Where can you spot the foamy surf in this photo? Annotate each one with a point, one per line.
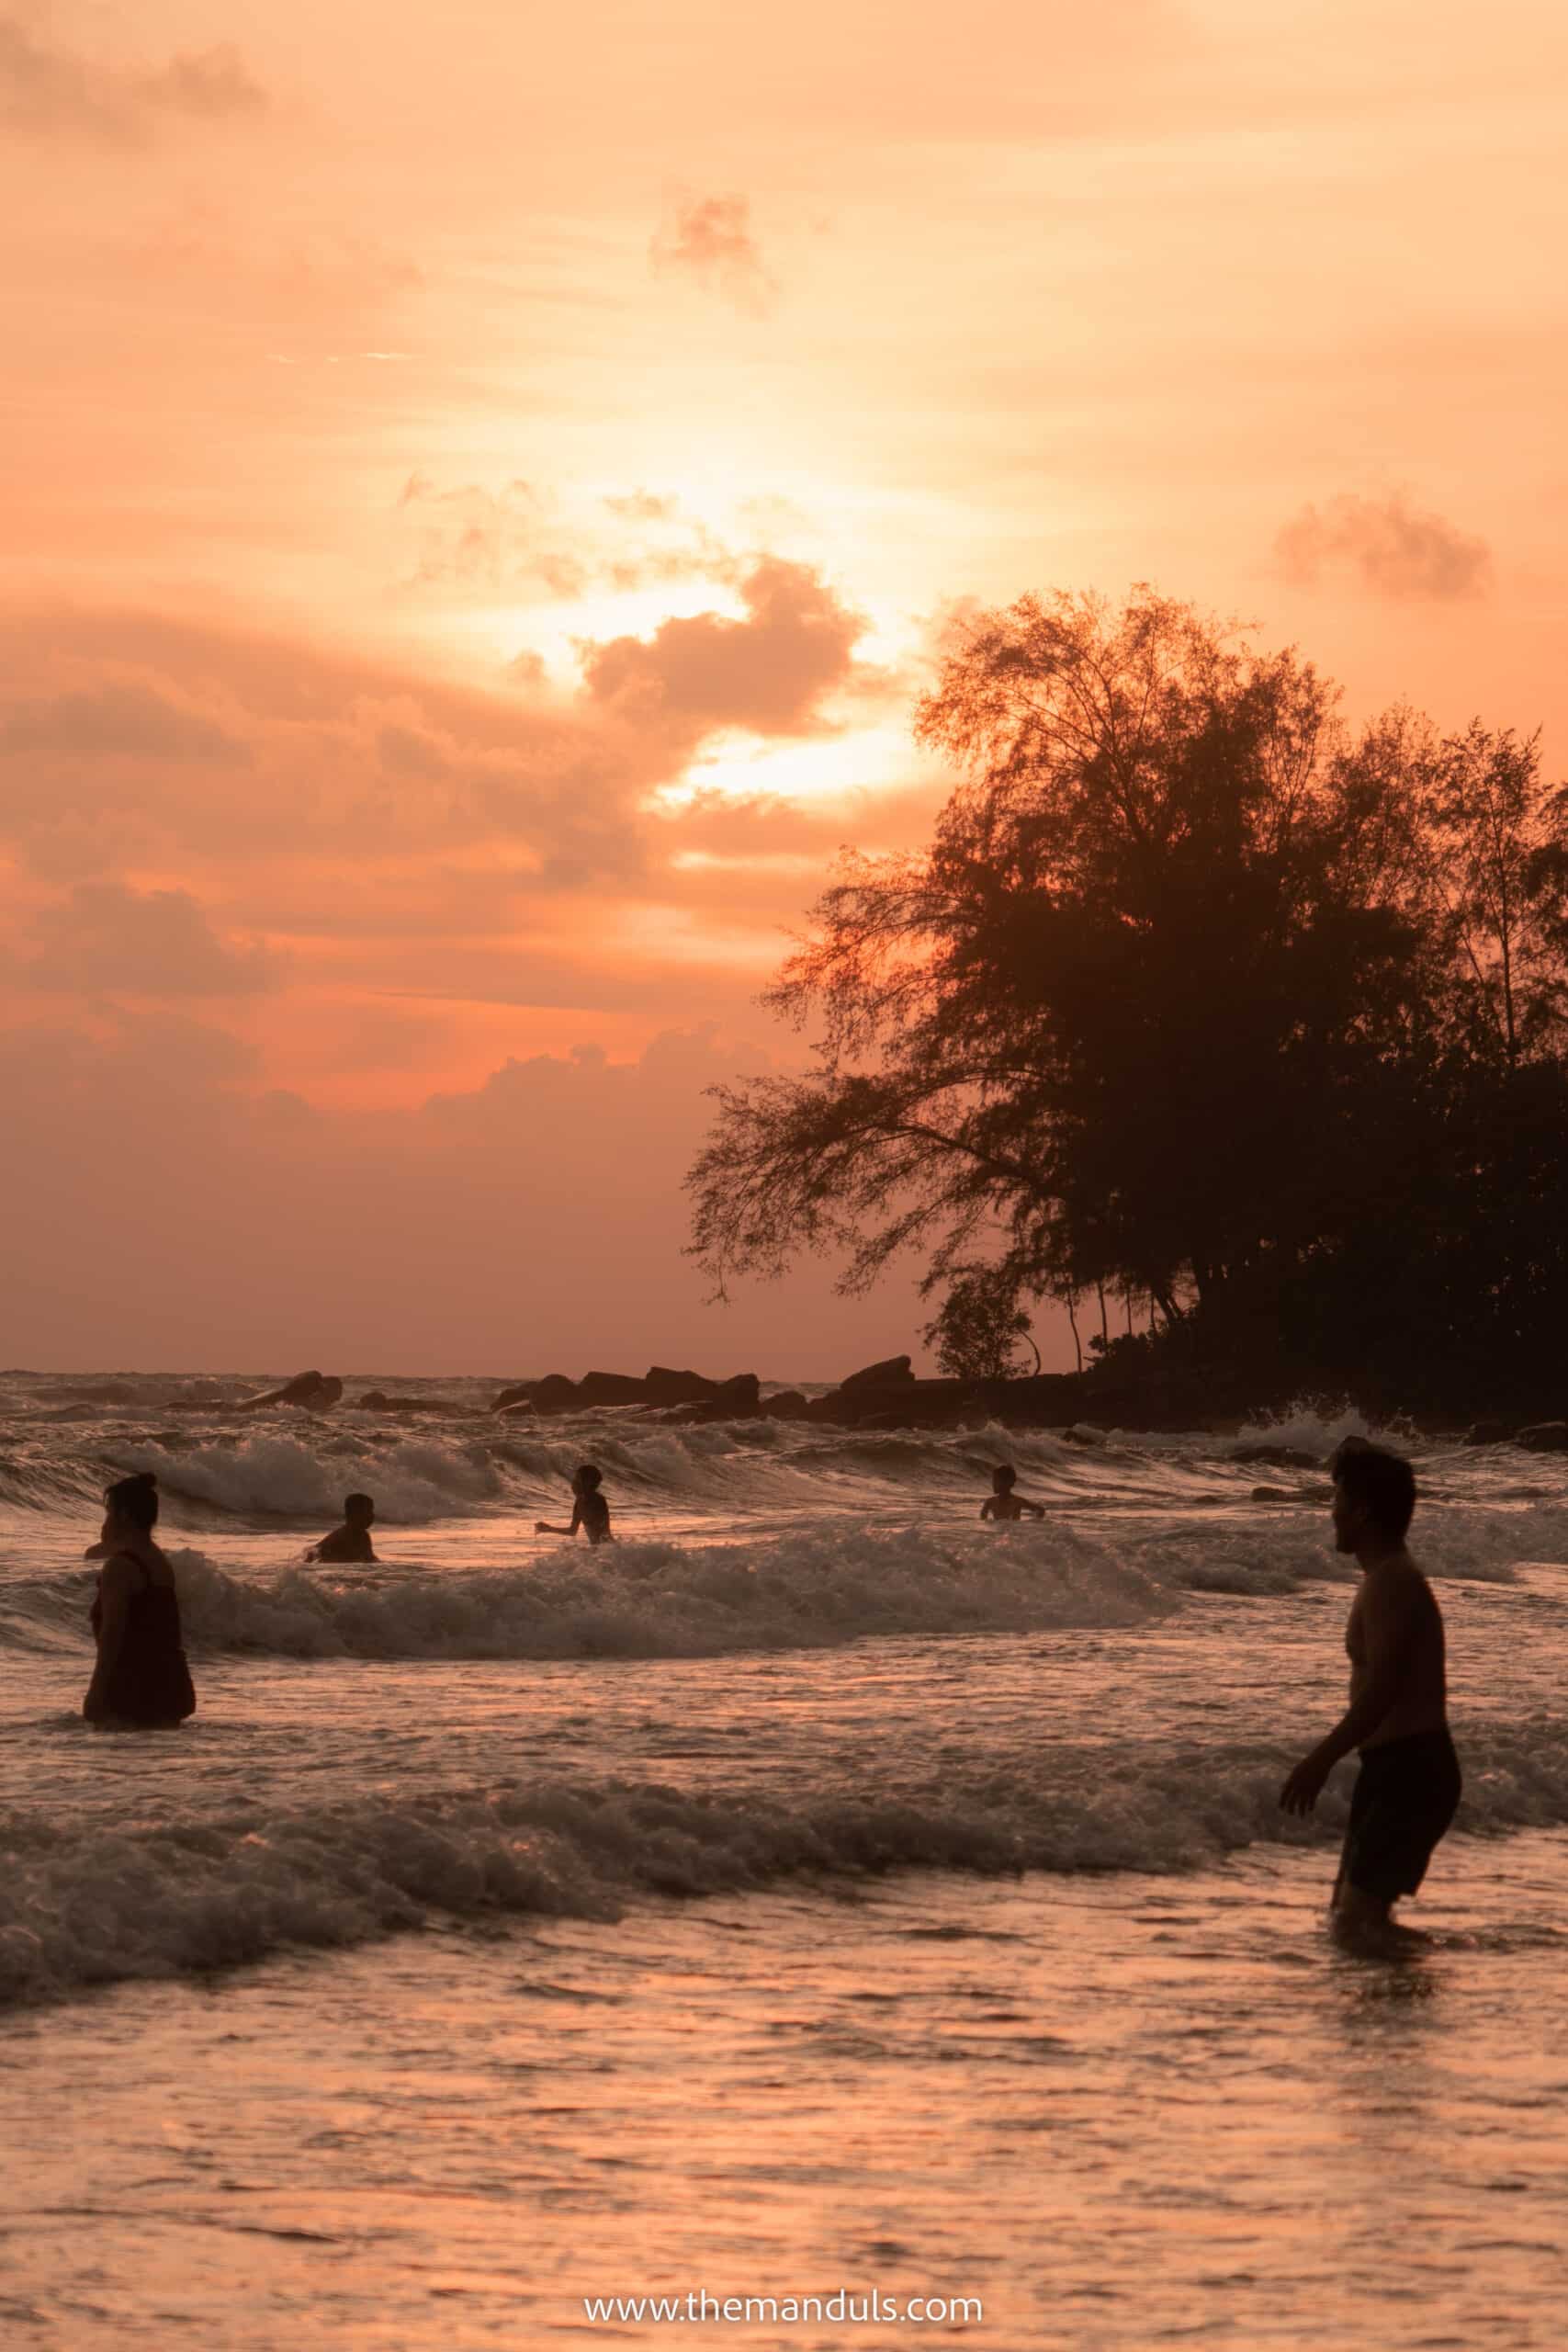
(81, 1908)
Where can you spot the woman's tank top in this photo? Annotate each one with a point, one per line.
(150, 1682)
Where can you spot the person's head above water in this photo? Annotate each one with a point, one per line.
(588, 1478)
(130, 1507)
(358, 1511)
(1004, 1477)
(1374, 1496)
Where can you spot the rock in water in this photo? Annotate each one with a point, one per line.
(881, 1375)
(667, 1388)
(611, 1388)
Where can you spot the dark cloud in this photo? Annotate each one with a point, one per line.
(710, 239)
(48, 92)
(108, 938)
(768, 673)
(1392, 547)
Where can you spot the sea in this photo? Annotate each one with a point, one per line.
(817, 1921)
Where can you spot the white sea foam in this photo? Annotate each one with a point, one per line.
(81, 1908)
(415, 1480)
(812, 1586)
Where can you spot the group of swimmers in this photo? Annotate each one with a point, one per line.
(1406, 1792)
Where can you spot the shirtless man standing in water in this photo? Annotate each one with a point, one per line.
(1408, 1788)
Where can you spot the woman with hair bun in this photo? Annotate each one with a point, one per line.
(141, 1677)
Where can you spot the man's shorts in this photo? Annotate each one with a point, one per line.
(1406, 1794)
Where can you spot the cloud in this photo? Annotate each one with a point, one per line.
(768, 673)
(164, 1211)
(118, 720)
(521, 540)
(106, 937)
(710, 239)
(350, 761)
(49, 92)
(1394, 549)
(390, 832)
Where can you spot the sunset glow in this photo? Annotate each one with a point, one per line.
(484, 491)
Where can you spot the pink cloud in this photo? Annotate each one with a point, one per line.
(47, 91)
(108, 938)
(710, 239)
(1393, 549)
(770, 672)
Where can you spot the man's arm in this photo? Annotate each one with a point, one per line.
(986, 1509)
(1388, 1611)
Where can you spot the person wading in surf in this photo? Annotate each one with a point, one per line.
(590, 1510)
(1408, 1788)
(141, 1677)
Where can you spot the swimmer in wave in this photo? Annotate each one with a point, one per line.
(1408, 1788)
(1003, 1502)
(350, 1544)
(590, 1510)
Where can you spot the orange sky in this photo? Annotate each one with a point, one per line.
(483, 488)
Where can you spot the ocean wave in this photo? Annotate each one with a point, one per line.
(416, 1480)
(811, 1583)
(809, 1588)
(81, 1908)
(296, 1469)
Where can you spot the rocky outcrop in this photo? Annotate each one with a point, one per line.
(1544, 1437)
(1491, 1431)
(899, 1404)
(664, 1386)
(787, 1405)
(610, 1388)
(313, 1392)
(894, 1370)
(685, 1394)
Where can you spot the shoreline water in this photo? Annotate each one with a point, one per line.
(814, 1888)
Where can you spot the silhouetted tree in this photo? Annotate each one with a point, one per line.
(1186, 999)
(978, 1333)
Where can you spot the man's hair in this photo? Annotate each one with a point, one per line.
(1382, 1483)
(351, 1503)
(135, 1500)
(1005, 1472)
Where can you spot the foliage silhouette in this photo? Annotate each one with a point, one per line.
(1200, 998)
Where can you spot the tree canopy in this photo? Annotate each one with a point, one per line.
(1198, 996)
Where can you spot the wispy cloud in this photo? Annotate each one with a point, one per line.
(710, 239)
(1392, 547)
(51, 91)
